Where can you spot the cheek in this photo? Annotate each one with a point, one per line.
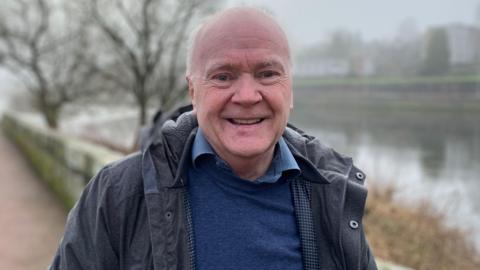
(289, 98)
(282, 99)
(209, 104)
(215, 100)
(199, 98)
(284, 92)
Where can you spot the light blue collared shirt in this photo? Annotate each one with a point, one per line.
(282, 161)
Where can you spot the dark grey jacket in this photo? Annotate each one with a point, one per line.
(135, 213)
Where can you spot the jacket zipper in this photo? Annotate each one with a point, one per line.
(189, 228)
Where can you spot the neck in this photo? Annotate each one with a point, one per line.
(251, 168)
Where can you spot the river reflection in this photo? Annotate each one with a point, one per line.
(427, 152)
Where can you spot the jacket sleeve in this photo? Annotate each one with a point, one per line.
(87, 242)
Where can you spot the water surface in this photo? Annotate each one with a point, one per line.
(429, 149)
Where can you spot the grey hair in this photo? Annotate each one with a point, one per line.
(194, 33)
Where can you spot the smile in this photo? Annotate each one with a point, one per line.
(251, 121)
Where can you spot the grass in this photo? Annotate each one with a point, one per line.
(417, 80)
(415, 236)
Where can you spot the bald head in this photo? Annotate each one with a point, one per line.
(238, 27)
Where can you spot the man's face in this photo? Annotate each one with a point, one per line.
(241, 89)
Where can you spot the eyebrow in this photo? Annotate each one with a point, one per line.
(270, 63)
(232, 66)
(220, 65)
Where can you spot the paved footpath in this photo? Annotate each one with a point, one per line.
(31, 218)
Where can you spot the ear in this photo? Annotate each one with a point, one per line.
(191, 91)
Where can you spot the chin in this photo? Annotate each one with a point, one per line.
(242, 150)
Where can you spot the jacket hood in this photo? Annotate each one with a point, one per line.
(318, 162)
(316, 159)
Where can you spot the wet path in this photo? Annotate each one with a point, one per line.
(31, 218)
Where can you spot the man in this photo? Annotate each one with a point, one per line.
(238, 190)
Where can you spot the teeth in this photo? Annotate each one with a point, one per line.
(246, 121)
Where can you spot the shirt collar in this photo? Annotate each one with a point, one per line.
(283, 161)
(200, 147)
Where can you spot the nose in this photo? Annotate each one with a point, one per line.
(247, 91)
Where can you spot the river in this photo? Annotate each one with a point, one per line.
(429, 149)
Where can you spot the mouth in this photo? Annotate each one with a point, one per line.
(245, 122)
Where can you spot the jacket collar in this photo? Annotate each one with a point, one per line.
(319, 163)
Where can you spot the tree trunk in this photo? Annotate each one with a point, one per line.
(142, 103)
(51, 113)
(142, 114)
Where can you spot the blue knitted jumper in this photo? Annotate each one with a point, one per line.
(242, 224)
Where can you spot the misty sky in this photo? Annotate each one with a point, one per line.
(309, 21)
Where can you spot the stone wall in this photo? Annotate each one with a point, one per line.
(65, 164)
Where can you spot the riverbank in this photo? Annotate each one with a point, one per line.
(419, 80)
(419, 93)
(416, 236)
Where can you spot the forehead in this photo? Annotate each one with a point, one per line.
(244, 60)
(235, 50)
(252, 35)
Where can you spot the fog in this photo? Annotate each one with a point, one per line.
(309, 21)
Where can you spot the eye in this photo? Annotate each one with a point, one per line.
(268, 76)
(223, 77)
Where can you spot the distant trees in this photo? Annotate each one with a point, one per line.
(343, 44)
(356, 57)
(139, 46)
(347, 46)
(437, 57)
(396, 57)
(439, 51)
(401, 55)
(47, 58)
(341, 52)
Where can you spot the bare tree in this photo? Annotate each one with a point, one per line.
(141, 46)
(46, 50)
